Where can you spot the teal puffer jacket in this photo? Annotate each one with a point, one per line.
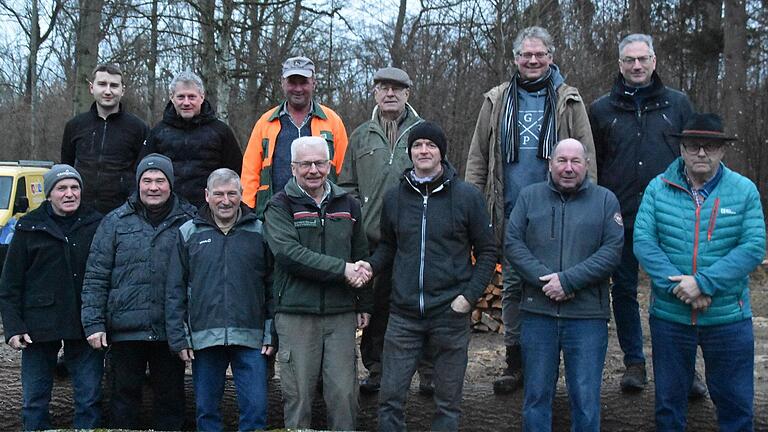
(719, 243)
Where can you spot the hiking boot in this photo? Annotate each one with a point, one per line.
(634, 378)
(512, 377)
(426, 385)
(372, 384)
(698, 388)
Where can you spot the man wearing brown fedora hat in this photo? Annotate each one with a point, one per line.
(699, 232)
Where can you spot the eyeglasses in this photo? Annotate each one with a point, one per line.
(694, 148)
(319, 164)
(529, 55)
(644, 60)
(385, 88)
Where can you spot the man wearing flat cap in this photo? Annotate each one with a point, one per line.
(40, 301)
(699, 233)
(267, 160)
(432, 225)
(374, 163)
(124, 297)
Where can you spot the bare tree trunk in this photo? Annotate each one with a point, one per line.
(87, 37)
(253, 88)
(31, 88)
(640, 16)
(152, 64)
(225, 62)
(209, 72)
(734, 84)
(396, 50)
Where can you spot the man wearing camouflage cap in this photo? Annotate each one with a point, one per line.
(374, 163)
(267, 160)
(40, 301)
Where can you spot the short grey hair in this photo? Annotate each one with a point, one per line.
(186, 77)
(636, 37)
(534, 32)
(306, 142)
(223, 175)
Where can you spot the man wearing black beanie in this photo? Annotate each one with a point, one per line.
(431, 225)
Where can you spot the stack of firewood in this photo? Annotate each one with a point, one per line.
(487, 314)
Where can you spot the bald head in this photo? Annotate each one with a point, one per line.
(568, 165)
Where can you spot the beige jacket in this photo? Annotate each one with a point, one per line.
(484, 167)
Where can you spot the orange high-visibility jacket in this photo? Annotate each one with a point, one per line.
(257, 162)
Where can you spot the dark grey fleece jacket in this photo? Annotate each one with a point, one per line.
(578, 235)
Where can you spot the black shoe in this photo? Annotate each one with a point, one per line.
(698, 389)
(372, 384)
(508, 382)
(426, 385)
(634, 378)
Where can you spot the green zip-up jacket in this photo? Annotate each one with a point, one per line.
(372, 167)
(311, 245)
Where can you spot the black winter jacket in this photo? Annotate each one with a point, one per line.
(124, 287)
(579, 236)
(104, 152)
(197, 147)
(219, 288)
(43, 276)
(633, 144)
(430, 232)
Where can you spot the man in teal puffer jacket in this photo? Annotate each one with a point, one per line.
(699, 233)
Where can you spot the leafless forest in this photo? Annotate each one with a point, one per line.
(454, 50)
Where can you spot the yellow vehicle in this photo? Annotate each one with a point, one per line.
(21, 191)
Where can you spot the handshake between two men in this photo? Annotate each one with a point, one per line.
(360, 273)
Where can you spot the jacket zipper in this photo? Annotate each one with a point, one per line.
(562, 234)
(712, 219)
(226, 270)
(101, 152)
(422, 252)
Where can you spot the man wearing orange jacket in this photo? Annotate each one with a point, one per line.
(267, 160)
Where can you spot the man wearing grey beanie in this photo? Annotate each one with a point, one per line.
(40, 300)
(124, 296)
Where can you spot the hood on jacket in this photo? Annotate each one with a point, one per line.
(171, 117)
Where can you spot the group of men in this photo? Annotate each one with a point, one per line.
(324, 235)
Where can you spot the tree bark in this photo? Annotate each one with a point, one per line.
(88, 35)
(735, 82)
(225, 62)
(396, 50)
(209, 72)
(152, 64)
(640, 16)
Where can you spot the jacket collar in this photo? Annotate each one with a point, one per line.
(171, 117)
(95, 111)
(436, 185)
(656, 89)
(317, 111)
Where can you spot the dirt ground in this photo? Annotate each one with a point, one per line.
(483, 410)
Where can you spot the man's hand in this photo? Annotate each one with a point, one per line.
(687, 290)
(553, 289)
(701, 303)
(461, 305)
(20, 341)
(357, 274)
(98, 340)
(363, 319)
(267, 350)
(187, 354)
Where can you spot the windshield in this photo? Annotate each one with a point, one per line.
(6, 184)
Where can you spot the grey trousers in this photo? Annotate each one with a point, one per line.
(512, 292)
(311, 345)
(404, 343)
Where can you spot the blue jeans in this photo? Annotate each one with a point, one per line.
(583, 343)
(85, 365)
(729, 364)
(249, 370)
(404, 343)
(626, 310)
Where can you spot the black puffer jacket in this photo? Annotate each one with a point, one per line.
(104, 152)
(430, 231)
(124, 287)
(43, 276)
(633, 143)
(197, 147)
